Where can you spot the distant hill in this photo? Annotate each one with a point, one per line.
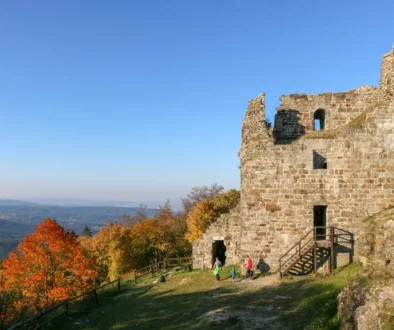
(16, 202)
(17, 218)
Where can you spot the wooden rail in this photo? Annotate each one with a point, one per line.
(318, 236)
(37, 319)
(163, 264)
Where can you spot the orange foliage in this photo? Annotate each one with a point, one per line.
(110, 248)
(48, 266)
(118, 249)
(159, 238)
(200, 218)
(208, 211)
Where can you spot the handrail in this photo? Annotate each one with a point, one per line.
(345, 231)
(330, 236)
(300, 249)
(296, 244)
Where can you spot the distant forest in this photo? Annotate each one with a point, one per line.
(20, 219)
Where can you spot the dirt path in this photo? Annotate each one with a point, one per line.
(268, 280)
(249, 316)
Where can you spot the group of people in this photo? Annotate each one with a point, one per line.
(217, 267)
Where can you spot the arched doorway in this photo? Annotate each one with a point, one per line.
(319, 120)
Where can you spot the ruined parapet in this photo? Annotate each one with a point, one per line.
(332, 110)
(387, 73)
(256, 135)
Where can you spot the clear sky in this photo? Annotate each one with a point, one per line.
(142, 100)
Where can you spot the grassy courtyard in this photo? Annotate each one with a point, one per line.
(195, 300)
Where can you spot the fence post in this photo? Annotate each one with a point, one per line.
(66, 307)
(280, 268)
(332, 252)
(119, 284)
(38, 319)
(95, 296)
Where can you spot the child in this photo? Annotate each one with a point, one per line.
(217, 266)
(217, 273)
(248, 265)
(233, 273)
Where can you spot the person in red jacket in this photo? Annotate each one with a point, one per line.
(248, 264)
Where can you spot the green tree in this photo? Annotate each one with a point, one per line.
(86, 231)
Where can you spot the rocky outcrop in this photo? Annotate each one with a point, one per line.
(367, 303)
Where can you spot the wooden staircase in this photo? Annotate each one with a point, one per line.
(313, 249)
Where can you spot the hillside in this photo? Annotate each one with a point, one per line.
(194, 300)
(18, 218)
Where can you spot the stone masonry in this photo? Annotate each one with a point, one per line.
(283, 177)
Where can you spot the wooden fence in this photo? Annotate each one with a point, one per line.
(38, 321)
(165, 264)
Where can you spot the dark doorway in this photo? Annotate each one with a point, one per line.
(319, 120)
(320, 220)
(219, 251)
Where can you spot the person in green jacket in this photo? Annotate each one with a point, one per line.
(217, 266)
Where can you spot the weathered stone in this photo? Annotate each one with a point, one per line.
(282, 180)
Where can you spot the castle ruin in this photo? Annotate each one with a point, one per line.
(328, 160)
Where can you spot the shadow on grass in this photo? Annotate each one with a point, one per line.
(294, 304)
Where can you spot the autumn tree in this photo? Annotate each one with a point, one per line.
(110, 248)
(7, 304)
(48, 266)
(120, 247)
(208, 211)
(158, 238)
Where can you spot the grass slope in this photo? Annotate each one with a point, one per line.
(194, 300)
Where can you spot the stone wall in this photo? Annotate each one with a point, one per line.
(387, 73)
(358, 181)
(227, 228)
(287, 127)
(339, 108)
(256, 136)
(282, 182)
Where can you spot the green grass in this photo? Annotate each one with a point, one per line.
(180, 303)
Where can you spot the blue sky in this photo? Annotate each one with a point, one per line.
(142, 100)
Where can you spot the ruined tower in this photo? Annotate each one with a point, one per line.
(328, 161)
